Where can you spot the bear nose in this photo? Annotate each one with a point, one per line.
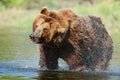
(31, 36)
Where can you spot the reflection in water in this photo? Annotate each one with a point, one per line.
(70, 76)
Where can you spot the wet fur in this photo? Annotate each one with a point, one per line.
(85, 45)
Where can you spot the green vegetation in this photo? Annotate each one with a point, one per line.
(13, 3)
(14, 78)
(31, 4)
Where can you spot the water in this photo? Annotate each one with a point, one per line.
(27, 69)
(19, 61)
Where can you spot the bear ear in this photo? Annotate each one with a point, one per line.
(45, 11)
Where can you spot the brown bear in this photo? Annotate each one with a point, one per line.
(81, 41)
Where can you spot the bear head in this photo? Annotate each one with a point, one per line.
(49, 26)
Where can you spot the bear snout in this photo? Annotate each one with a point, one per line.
(31, 36)
(35, 34)
(34, 38)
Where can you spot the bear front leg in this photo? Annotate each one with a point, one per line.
(51, 60)
(42, 61)
(48, 58)
(48, 61)
(76, 63)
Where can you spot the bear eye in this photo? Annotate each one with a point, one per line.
(45, 29)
